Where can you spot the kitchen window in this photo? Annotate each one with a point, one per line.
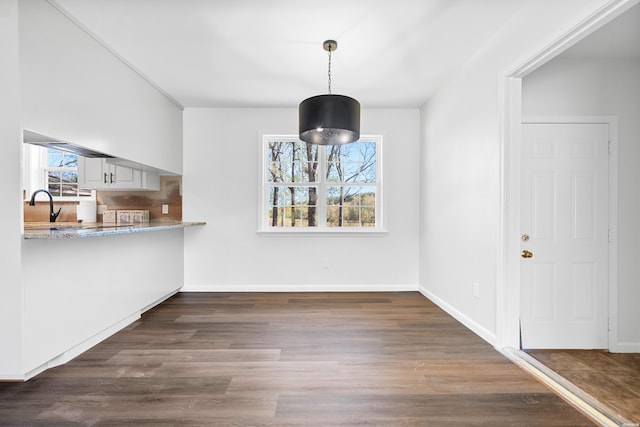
(313, 188)
(54, 170)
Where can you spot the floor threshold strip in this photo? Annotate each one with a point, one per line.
(572, 394)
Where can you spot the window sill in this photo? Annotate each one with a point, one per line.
(322, 232)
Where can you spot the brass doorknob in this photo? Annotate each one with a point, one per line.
(526, 254)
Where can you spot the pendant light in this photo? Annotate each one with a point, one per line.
(329, 119)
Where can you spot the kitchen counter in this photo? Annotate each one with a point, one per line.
(66, 230)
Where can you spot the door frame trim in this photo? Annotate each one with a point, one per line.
(510, 99)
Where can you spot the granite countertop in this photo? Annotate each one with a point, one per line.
(74, 230)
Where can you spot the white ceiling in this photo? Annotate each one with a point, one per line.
(258, 53)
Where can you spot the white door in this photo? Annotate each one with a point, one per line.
(564, 265)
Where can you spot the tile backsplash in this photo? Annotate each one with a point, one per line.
(40, 212)
(170, 194)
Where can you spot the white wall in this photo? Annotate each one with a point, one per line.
(603, 87)
(221, 169)
(56, 80)
(460, 230)
(10, 194)
(75, 90)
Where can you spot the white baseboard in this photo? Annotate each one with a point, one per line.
(476, 328)
(4, 377)
(299, 288)
(625, 347)
(158, 301)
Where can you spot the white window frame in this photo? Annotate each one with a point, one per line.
(322, 228)
(35, 174)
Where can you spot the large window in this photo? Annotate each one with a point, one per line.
(309, 187)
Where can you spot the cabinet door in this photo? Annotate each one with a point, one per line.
(92, 173)
(100, 174)
(122, 177)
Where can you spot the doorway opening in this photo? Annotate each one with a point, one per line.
(509, 286)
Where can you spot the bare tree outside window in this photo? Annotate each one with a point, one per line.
(62, 174)
(312, 168)
(294, 164)
(349, 204)
(310, 186)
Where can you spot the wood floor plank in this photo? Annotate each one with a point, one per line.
(151, 408)
(289, 359)
(612, 378)
(469, 409)
(145, 356)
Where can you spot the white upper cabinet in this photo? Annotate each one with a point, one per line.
(87, 95)
(99, 174)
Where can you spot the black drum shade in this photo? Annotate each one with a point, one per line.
(329, 120)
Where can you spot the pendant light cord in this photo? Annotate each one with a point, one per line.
(329, 73)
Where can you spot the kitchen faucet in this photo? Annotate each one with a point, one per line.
(52, 215)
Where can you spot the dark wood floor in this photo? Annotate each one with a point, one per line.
(612, 378)
(288, 359)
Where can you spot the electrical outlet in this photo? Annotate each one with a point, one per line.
(475, 289)
(325, 263)
(101, 209)
(165, 209)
